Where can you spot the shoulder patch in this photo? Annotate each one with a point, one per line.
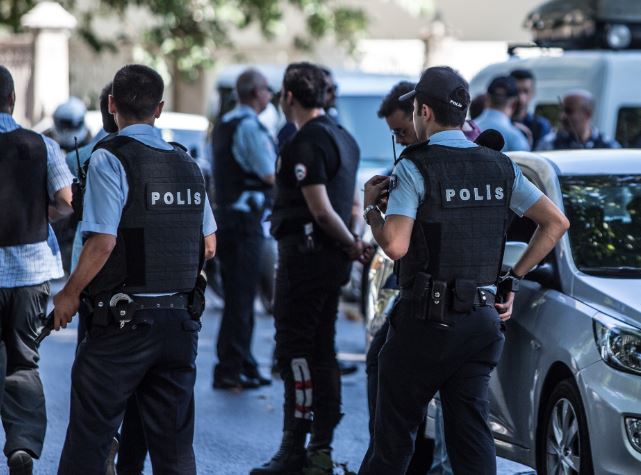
(300, 171)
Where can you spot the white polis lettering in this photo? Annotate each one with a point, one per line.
(449, 194)
(498, 193)
(464, 194)
(168, 198)
(488, 189)
(197, 198)
(477, 197)
(479, 193)
(179, 200)
(155, 196)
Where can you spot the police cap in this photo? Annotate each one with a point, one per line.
(440, 83)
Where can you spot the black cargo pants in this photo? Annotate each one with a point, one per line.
(240, 246)
(305, 307)
(153, 358)
(22, 396)
(420, 358)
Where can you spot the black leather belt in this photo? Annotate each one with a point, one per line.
(482, 298)
(124, 306)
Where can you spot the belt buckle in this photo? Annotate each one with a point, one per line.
(117, 306)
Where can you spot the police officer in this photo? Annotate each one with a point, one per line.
(446, 220)
(148, 228)
(244, 161)
(316, 223)
(35, 188)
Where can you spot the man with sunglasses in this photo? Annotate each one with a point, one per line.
(576, 130)
(244, 160)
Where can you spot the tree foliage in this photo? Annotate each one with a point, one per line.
(189, 32)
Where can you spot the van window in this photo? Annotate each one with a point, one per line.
(550, 111)
(628, 132)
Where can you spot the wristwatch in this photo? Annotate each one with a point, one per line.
(368, 209)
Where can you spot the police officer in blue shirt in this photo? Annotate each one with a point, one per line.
(35, 187)
(244, 161)
(446, 219)
(502, 99)
(148, 229)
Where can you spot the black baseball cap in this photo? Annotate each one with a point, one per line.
(503, 86)
(441, 83)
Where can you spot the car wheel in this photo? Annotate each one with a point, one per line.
(564, 442)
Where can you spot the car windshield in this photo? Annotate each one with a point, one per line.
(358, 115)
(605, 217)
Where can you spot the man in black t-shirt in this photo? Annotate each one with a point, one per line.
(316, 221)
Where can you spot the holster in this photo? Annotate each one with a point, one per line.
(197, 297)
(432, 299)
(99, 308)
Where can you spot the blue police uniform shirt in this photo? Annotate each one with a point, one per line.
(33, 264)
(254, 150)
(107, 188)
(409, 191)
(494, 119)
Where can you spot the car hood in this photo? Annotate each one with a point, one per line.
(618, 298)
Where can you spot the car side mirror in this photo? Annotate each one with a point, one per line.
(513, 252)
(544, 274)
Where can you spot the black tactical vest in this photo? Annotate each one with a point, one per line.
(289, 214)
(460, 226)
(159, 246)
(230, 179)
(23, 188)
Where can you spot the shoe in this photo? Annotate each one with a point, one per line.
(290, 459)
(346, 368)
(239, 383)
(110, 467)
(320, 461)
(255, 374)
(20, 463)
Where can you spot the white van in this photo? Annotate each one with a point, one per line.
(611, 76)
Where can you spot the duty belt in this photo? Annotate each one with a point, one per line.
(123, 306)
(482, 298)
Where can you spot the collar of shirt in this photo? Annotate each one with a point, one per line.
(496, 115)
(7, 123)
(147, 134)
(451, 138)
(241, 110)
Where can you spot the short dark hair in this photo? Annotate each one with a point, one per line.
(137, 90)
(391, 103)
(108, 121)
(522, 74)
(444, 113)
(6, 87)
(477, 106)
(307, 83)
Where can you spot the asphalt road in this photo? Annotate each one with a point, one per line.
(234, 431)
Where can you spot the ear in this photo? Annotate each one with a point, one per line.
(158, 110)
(289, 98)
(111, 105)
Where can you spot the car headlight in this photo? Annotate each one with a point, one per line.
(618, 343)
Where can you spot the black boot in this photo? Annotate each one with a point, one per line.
(290, 457)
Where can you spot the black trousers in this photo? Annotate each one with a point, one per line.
(305, 308)
(420, 358)
(423, 454)
(240, 245)
(22, 396)
(152, 358)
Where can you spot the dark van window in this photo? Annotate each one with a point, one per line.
(550, 111)
(628, 132)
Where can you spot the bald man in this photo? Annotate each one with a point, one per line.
(577, 131)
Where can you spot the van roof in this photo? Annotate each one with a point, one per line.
(590, 162)
(350, 82)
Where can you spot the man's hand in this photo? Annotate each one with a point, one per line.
(355, 250)
(505, 308)
(368, 254)
(65, 307)
(375, 189)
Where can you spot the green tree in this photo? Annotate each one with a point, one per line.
(187, 33)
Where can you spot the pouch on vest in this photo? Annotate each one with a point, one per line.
(463, 295)
(197, 297)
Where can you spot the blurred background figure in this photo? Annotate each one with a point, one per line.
(69, 123)
(538, 125)
(502, 101)
(577, 130)
(477, 106)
